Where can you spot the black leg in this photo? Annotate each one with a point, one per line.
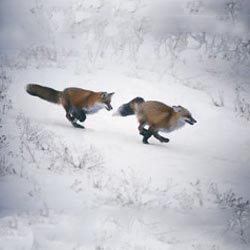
(73, 121)
(76, 125)
(69, 117)
(141, 128)
(146, 135)
(160, 138)
(143, 131)
(78, 114)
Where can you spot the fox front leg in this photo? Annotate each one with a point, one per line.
(151, 131)
(160, 138)
(156, 135)
(73, 120)
(76, 125)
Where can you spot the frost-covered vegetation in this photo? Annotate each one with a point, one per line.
(191, 40)
(101, 188)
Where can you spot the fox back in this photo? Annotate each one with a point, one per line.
(86, 99)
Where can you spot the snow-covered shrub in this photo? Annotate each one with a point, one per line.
(240, 208)
(140, 30)
(5, 166)
(32, 140)
(5, 101)
(37, 57)
(128, 190)
(242, 104)
(217, 99)
(37, 143)
(200, 246)
(5, 105)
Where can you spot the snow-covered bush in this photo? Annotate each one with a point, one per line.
(242, 104)
(5, 101)
(37, 143)
(240, 208)
(5, 105)
(144, 33)
(217, 99)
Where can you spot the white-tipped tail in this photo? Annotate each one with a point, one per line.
(116, 113)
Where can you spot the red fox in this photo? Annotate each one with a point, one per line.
(158, 116)
(76, 102)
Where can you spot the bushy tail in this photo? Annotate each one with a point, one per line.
(130, 107)
(48, 94)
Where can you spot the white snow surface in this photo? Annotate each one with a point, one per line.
(139, 196)
(101, 188)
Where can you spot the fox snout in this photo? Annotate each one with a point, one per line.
(108, 107)
(106, 100)
(190, 120)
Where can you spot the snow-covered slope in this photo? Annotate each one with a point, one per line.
(124, 194)
(101, 188)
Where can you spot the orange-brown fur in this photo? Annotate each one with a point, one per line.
(157, 116)
(80, 98)
(154, 114)
(76, 101)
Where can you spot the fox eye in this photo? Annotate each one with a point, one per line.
(104, 95)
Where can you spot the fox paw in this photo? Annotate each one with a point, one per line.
(144, 132)
(76, 125)
(164, 140)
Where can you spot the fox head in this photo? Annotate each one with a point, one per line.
(106, 100)
(129, 108)
(184, 114)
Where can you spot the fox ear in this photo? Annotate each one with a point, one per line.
(177, 108)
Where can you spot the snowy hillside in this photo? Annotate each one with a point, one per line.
(101, 188)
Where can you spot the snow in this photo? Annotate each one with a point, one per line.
(142, 196)
(100, 187)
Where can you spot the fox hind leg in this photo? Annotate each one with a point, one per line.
(78, 114)
(144, 132)
(146, 135)
(141, 128)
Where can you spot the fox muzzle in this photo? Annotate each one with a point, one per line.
(191, 121)
(109, 107)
